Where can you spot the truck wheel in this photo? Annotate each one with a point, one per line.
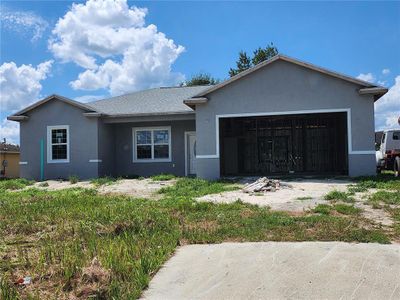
(397, 167)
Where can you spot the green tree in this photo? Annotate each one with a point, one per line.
(243, 63)
(201, 79)
(259, 55)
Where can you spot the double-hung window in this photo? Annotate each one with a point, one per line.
(58, 144)
(152, 144)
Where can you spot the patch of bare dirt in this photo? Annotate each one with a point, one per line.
(296, 196)
(145, 188)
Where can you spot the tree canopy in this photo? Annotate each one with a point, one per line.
(201, 79)
(244, 62)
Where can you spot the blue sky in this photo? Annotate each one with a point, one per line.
(356, 38)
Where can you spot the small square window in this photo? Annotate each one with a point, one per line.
(396, 135)
(143, 137)
(59, 152)
(161, 151)
(161, 137)
(143, 152)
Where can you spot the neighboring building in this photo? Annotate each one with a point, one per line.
(9, 159)
(281, 116)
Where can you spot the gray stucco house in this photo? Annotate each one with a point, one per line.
(283, 116)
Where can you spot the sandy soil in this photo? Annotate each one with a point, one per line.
(146, 188)
(286, 198)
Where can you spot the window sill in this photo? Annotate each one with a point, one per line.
(151, 160)
(58, 161)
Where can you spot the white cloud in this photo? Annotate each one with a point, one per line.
(10, 131)
(369, 77)
(110, 40)
(385, 71)
(21, 85)
(89, 98)
(25, 22)
(387, 108)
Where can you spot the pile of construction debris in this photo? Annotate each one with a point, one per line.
(264, 184)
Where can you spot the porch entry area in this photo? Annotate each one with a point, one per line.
(264, 145)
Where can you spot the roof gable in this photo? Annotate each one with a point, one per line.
(379, 90)
(20, 114)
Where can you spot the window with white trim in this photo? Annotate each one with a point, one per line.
(58, 144)
(152, 144)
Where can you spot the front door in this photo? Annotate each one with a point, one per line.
(191, 153)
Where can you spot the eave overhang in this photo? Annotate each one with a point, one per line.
(377, 92)
(192, 102)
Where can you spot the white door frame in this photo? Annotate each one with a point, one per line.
(186, 134)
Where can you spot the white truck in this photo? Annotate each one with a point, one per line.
(388, 152)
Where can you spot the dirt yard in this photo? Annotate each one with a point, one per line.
(302, 194)
(144, 188)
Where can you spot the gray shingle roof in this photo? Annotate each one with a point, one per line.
(168, 100)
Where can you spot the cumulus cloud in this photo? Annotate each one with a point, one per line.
(10, 131)
(24, 22)
(387, 108)
(385, 71)
(369, 77)
(119, 52)
(21, 85)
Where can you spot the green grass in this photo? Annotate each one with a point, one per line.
(304, 198)
(104, 181)
(347, 209)
(324, 209)
(53, 235)
(14, 184)
(163, 177)
(73, 179)
(338, 196)
(189, 188)
(386, 197)
(383, 181)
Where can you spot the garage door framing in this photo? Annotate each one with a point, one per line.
(297, 112)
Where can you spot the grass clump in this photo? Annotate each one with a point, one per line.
(338, 196)
(163, 177)
(304, 198)
(43, 184)
(324, 209)
(387, 197)
(347, 209)
(73, 179)
(15, 184)
(107, 180)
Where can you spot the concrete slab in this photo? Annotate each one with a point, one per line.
(273, 270)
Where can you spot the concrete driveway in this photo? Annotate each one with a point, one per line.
(273, 270)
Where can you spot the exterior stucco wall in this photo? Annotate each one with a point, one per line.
(285, 87)
(106, 148)
(82, 146)
(124, 164)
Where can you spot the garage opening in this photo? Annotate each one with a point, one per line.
(290, 144)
